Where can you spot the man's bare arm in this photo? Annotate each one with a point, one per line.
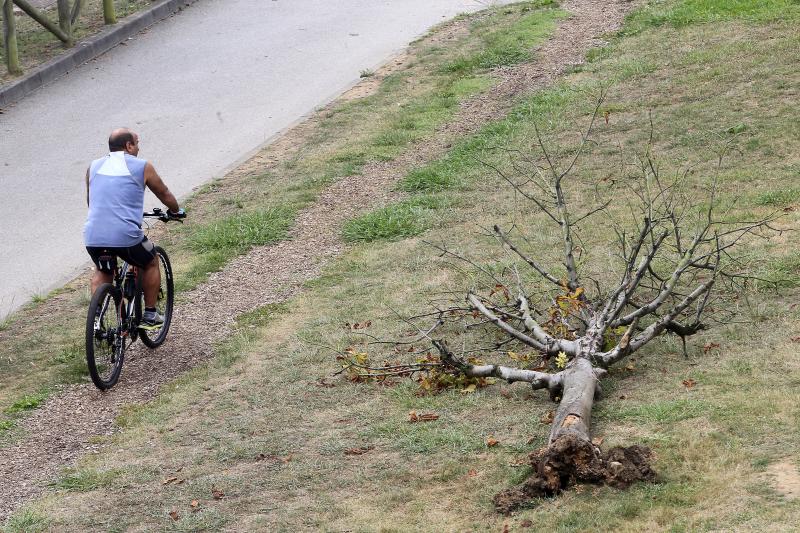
(87, 187)
(159, 188)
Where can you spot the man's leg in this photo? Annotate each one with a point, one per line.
(151, 281)
(99, 277)
(102, 257)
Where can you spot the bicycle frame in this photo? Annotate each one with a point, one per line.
(132, 309)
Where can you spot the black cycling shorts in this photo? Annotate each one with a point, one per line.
(105, 257)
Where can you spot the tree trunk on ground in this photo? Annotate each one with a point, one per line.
(10, 38)
(667, 263)
(570, 456)
(574, 413)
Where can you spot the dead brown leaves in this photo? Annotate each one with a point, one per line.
(274, 458)
(710, 346)
(358, 325)
(413, 417)
(361, 450)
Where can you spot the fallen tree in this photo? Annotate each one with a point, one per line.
(672, 260)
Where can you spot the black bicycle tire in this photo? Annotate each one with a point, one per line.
(104, 290)
(169, 284)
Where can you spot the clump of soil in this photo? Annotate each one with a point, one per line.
(571, 460)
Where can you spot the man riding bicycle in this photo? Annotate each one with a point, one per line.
(115, 196)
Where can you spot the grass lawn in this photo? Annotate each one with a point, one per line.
(265, 437)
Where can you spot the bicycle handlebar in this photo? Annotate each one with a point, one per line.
(165, 216)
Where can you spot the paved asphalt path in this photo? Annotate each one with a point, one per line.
(204, 89)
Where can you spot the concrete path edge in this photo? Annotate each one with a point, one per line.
(89, 49)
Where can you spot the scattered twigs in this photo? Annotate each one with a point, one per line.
(538, 380)
(536, 266)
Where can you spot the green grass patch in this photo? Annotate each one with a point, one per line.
(261, 316)
(472, 154)
(690, 12)
(71, 363)
(503, 46)
(400, 220)
(662, 412)
(26, 520)
(238, 233)
(778, 198)
(87, 480)
(28, 402)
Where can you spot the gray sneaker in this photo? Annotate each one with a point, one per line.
(151, 320)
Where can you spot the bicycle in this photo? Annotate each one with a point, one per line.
(115, 314)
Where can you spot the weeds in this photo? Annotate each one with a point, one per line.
(396, 221)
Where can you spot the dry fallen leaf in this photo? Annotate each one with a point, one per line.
(689, 383)
(491, 441)
(526, 523)
(217, 493)
(286, 459)
(795, 339)
(472, 472)
(169, 480)
(174, 514)
(195, 503)
(322, 383)
(597, 441)
(710, 346)
(548, 418)
(358, 451)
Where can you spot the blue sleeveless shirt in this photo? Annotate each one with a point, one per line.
(116, 201)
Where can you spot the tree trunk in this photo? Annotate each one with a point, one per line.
(570, 456)
(10, 38)
(65, 19)
(574, 414)
(108, 12)
(76, 11)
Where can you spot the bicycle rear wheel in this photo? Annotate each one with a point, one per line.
(153, 338)
(105, 336)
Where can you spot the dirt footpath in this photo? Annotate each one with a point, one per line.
(60, 432)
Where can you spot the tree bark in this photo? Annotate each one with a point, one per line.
(10, 38)
(109, 15)
(76, 11)
(574, 413)
(65, 19)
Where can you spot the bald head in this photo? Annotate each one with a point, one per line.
(119, 139)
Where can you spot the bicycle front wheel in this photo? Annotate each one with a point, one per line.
(105, 336)
(153, 338)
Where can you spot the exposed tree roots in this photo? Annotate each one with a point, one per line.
(571, 460)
